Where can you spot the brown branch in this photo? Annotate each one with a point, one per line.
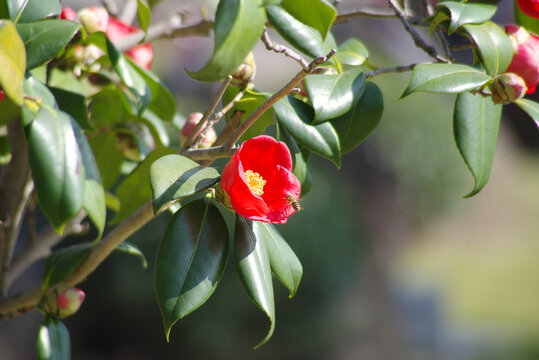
(397, 69)
(419, 42)
(283, 50)
(255, 115)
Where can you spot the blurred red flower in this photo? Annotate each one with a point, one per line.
(525, 62)
(529, 7)
(141, 54)
(259, 180)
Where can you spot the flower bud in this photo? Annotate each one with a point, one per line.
(2, 95)
(189, 126)
(507, 88)
(68, 14)
(529, 7)
(62, 301)
(94, 19)
(245, 72)
(525, 62)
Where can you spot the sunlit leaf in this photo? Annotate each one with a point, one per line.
(12, 61)
(53, 340)
(318, 14)
(531, 108)
(467, 13)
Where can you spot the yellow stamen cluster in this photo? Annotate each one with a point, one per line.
(255, 182)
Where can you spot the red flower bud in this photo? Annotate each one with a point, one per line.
(507, 87)
(2, 95)
(68, 14)
(190, 123)
(525, 62)
(94, 19)
(142, 54)
(529, 7)
(259, 180)
(62, 301)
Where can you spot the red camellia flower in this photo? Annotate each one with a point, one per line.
(525, 62)
(529, 7)
(259, 180)
(142, 54)
(68, 14)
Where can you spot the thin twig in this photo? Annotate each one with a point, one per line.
(345, 17)
(419, 42)
(397, 69)
(427, 7)
(462, 46)
(255, 115)
(215, 119)
(193, 135)
(283, 50)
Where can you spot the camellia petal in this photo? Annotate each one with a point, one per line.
(258, 180)
(525, 62)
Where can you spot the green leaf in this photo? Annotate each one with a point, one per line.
(466, 13)
(45, 39)
(251, 100)
(56, 165)
(531, 108)
(318, 14)
(352, 52)
(238, 26)
(254, 270)
(5, 150)
(524, 20)
(299, 169)
(354, 126)
(302, 37)
(283, 262)
(494, 46)
(94, 194)
(53, 340)
(190, 260)
(173, 177)
(62, 262)
(131, 249)
(12, 61)
(163, 103)
(109, 159)
(334, 95)
(129, 76)
(476, 121)
(37, 90)
(34, 10)
(321, 139)
(157, 128)
(144, 15)
(74, 104)
(445, 78)
(135, 189)
(109, 107)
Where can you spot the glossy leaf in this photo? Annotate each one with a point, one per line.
(131, 249)
(524, 20)
(299, 169)
(494, 46)
(318, 14)
(283, 261)
(74, 104)
(34, 9)
(445, 78)
(352, 52)
(12, 61)
(135, 189)
(144, 14)
(321, 139)
(56, 165)
(37, 90)
(107, 156)
(190, 260)
(53, 340)
(354, 126)
(531, 108)
(251, 100)
(254, 270)
(94, 194)
(238, 26)
(467, 13)
(476, 122)
(157, 128)
(45, 39)
(62, 262)
(129, 76)
(5, 150)
(334, 95)
(109, 107)
(173, 177)
(163, 103)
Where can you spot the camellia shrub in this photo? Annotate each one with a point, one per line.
(98, 144)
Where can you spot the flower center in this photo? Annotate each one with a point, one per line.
(255, 182)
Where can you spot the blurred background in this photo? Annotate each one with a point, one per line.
(397, 265)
